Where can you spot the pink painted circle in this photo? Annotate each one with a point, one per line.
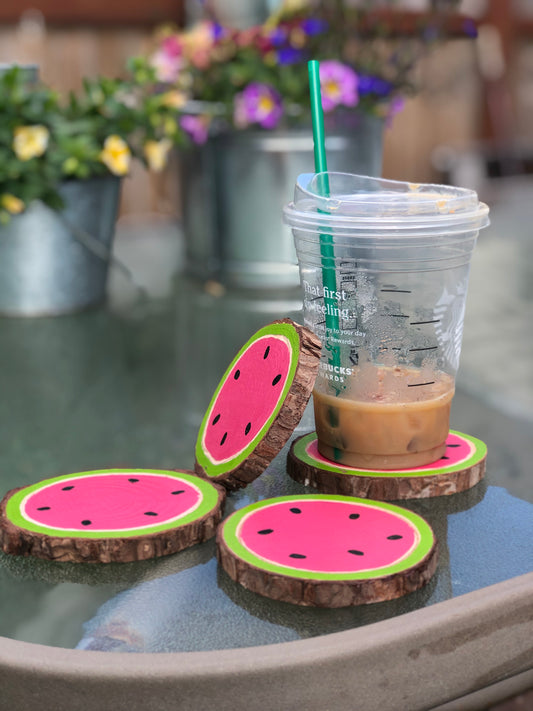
(328, 536)
(248, 397)
(111, 501)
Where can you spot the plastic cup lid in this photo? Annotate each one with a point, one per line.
(367, 205)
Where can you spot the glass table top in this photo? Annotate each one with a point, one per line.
(125, 385)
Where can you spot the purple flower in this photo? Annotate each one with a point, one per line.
(339, 85)
(290, 55)
(258, 103)
(313, 26)
(219, 31)
(374, 85)
(278, 37)
(196, 126)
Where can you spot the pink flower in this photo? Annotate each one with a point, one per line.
(168, 59)
(258, 103)
(197, 127)
(172, 46)
(338, 84)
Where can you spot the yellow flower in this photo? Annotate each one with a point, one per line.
(12, 204)
(156, 153)
(30, 141)
(116, 155)
(173, 99)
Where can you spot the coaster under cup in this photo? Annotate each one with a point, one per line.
(327, 551)
(461, 468)
(115, 515)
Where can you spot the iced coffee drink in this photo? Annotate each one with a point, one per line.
(384, 269)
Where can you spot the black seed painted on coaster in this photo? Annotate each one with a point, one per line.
(67, 488)
(224, 437)
(276, 379)
(133, 481)
(178, 491)
(453, 445)
(237, 374)
(297, 555)
(248, 428)
(354, 552)
(43, 508)
(86, 522)
(445, 457)
(150, 513)
(395, 537)
(295, 510)
(354, 516)
(265, 531)
(215, 419)
(265, 354)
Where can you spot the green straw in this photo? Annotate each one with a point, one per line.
(326, 241)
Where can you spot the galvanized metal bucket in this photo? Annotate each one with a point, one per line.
(53, 262)
(233, 190)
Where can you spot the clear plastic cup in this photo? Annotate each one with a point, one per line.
(384, 268)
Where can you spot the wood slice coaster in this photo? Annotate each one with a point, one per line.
(258, 403)
(114, 515)
(461, 468)
(327, 551)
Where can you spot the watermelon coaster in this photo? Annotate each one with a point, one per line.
(114, 515)
(460, 469)
(257, 404)
(327, 551)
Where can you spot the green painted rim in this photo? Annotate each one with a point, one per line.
(424, 546)
(275, 329)
(208, 501)
(479, 452)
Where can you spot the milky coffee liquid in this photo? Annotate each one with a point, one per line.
(385, 418)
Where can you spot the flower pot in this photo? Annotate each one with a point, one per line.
(56, 262)
(234, 187)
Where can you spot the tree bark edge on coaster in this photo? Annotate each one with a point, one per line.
(70, 518)
(327, 551)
